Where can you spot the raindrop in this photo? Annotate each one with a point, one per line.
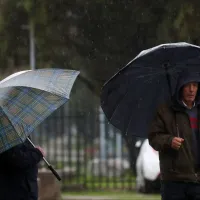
(69, 13)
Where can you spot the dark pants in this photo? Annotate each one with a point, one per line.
(180, 191)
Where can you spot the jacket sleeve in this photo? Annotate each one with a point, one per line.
(23, 157)
(158, 137)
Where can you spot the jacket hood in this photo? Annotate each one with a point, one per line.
(184, 78)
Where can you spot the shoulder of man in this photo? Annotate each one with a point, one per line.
(164, 107)
(165, 110)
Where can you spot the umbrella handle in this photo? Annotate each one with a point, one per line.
(52, 169)
(48, 164)
(54, 172)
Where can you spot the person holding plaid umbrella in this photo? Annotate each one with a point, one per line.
(19, 171)
(27, 98)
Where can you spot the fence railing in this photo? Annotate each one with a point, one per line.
(86, 150)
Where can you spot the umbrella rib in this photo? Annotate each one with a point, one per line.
(119, 103)
(126, 131)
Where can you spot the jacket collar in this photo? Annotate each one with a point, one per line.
(180, 108)
(194, 104)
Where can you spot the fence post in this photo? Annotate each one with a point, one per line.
(102, 134)
(119, 145)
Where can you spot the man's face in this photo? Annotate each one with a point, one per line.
(189, 92)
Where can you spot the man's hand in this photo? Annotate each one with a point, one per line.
(41, 150)
(176, 143)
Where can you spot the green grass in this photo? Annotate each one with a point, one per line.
(92, 183)
(117, 195)
(105, 185)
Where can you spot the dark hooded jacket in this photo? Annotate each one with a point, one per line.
(172, 121)
(18, 173)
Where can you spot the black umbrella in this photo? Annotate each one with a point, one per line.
(129, 99)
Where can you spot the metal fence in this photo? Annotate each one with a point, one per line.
(86, 150)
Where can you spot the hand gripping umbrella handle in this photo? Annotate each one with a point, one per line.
(48, 164)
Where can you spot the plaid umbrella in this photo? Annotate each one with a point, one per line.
(27, 98)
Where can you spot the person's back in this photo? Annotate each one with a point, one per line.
(18, 173)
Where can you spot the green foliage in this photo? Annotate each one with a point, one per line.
(97, 37)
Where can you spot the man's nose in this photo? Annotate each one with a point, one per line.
(192, 88)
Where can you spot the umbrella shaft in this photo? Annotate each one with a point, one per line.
(46, 161)
(49, 166)
(30, 142)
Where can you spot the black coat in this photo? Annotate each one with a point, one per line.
(18, 173)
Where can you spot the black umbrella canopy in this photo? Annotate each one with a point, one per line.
(130, 98)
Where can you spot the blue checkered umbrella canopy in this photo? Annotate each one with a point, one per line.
(27, 98)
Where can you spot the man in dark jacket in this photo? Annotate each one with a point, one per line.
(175, 134)
(18, 172)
